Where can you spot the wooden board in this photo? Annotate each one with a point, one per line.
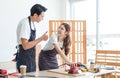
(62, 71)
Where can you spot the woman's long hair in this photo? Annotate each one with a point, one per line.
(67, 39)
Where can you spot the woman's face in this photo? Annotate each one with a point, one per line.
(61, 31)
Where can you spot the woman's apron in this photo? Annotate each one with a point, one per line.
(48, 60)
(27, 57)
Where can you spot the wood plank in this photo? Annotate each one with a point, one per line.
(62, 71)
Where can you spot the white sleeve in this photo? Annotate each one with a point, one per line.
(25, 30)
(54, 39)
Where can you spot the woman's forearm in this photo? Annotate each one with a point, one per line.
(61, 53)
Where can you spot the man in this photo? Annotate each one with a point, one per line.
(26, 34)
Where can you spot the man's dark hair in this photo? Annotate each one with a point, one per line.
(37, 8)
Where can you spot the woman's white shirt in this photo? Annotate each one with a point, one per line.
(49, 45)
(23, 30)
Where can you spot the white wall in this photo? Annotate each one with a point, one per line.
(12, 11)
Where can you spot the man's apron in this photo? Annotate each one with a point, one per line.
(27, 57)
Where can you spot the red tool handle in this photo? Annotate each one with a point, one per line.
(2, 71)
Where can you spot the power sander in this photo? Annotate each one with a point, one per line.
(74, 70)
(3, 73)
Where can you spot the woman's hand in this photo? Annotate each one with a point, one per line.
(71, 64)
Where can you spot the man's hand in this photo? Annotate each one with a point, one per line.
(44, 36)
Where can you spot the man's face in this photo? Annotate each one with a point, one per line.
(40, 17)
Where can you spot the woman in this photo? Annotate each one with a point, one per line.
(57, 44)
